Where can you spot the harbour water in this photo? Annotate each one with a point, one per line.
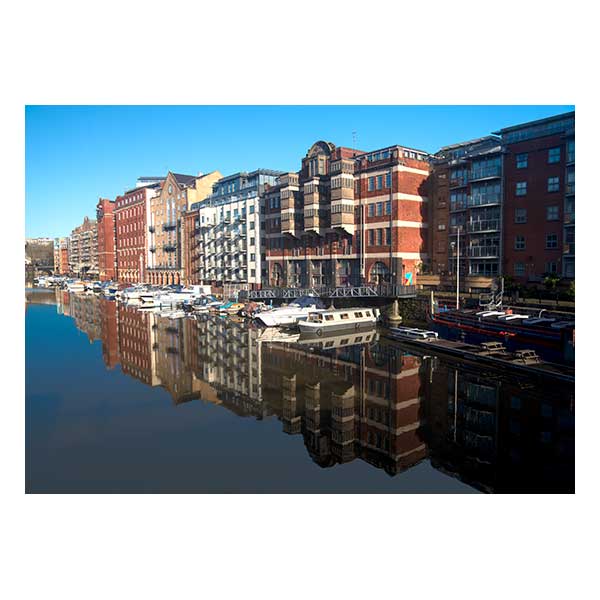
(121, 400)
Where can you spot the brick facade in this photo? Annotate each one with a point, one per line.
(107, 259)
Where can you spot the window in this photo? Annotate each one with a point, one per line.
(520, 242)
(388, 180)
(379, 237)
(371, 210)
(521, 188)
(379, 181)
(251, 224)
(252, 257)
(441, 226)
(344, 316)
(358, 315)
(252, 241)
(328, 317)
(522, 160)
(571, 151)
(367, 313)
(379, 209)
(371, 184)
(371, 237)
(553, 184)
(519, 269)
(388, 208)
(554, 155)
(251, 210)
(388, 236)
(520, 215)
(551, 241)
(550, 267)
(551, 213)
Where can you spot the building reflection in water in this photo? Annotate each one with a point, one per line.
(350, 397)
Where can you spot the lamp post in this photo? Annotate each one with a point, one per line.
(457, 265)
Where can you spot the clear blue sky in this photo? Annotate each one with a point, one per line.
(76, 154)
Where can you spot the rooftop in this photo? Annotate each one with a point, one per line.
(555, 118)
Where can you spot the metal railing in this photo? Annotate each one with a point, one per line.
(485, 173)
(363, 291)
(487, 225)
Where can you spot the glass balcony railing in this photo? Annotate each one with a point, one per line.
(458, 181)
(479, 226)
(483, 199)
(485, 173)
(483, 252)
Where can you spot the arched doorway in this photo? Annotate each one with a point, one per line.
(379, 273)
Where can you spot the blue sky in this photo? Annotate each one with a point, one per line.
(76, 154)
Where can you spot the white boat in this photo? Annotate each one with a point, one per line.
(412, 333)
(338, 319)
(340, 340)
(292, 313)
(75, 286)
(137, 293)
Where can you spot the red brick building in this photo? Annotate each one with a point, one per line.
(539, 198)
(107, 261)
(348, 217)
(131, 212)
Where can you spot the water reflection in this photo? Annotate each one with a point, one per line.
(355, 397)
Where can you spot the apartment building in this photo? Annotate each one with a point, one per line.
(132, 211)
(349, 217)
(107, 259)
(466, 211)
(165, 227)
(83, 249)
(61, 256)
(539, 198)
(224, 232)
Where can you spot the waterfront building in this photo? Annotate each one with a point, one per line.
(349, 217)
(109, 327)
(539, 198)
(107, 258)
(135, 344)
(83, 249)
(61, 256)
(224, 233)
(132, 211)
(165, 231)
(467, 201)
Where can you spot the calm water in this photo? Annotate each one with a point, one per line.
(119, 400)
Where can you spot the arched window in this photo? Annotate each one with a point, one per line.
(379, 273)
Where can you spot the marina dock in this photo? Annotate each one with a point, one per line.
(524, 361)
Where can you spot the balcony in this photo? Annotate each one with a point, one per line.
(481, 226)
(570, 189)
(570, 218)
(483, 199)
(457, 206)
(455, 182)
(569, 249)
(169, 226)
(485, 173)
(483, 252)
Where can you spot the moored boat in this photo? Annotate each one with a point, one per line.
(292, 313)
(338, 319)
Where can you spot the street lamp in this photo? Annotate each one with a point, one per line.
(457, 246)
